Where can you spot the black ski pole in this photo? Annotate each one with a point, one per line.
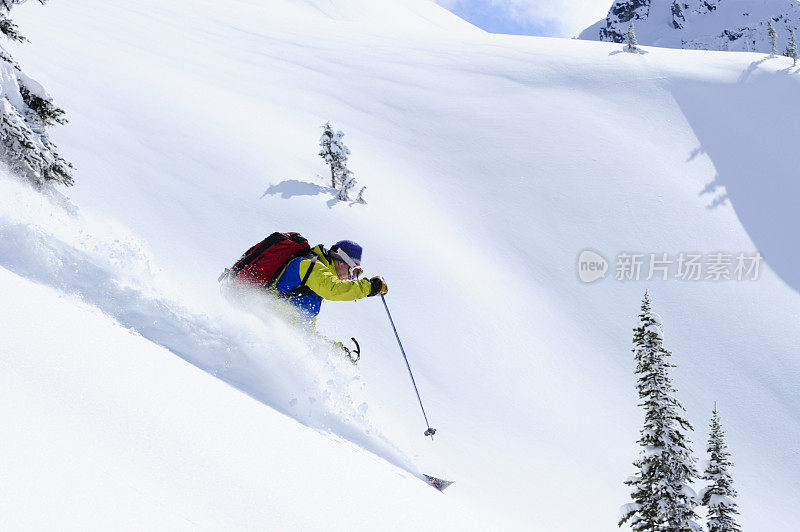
(430, 432)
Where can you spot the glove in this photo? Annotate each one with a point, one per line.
(378, 286)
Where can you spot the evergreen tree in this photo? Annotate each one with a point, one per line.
(773, 36)
(360, 197)
(719, 494)
(633, 45)
(791, 50)
(335, 153)
(348, 183)
(26, 110)
(662, 497)
(7, 26)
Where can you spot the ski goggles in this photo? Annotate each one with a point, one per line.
(353, 266)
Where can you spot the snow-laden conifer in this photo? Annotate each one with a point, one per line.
(773, 38)
(662, 496)
(360, 197)
(348, 183)
(791, 49)
(718, 496)
(26, 110)
(7, 26)
(335, 153)
(632, 45)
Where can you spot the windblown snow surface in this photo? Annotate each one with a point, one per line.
(491, 163)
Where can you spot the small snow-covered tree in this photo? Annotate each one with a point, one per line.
(26, 110)
(662, 496)
(348, 183)
(360, 197)
(791, 49)
(335, 153)
(773, 38)
(718, 495)
(632, 44)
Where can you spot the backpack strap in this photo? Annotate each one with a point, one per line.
(302, 289)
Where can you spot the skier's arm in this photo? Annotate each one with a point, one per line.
(328, 285)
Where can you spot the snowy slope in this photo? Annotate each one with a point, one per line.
(491, 162)
(110, 431)
(735, 25)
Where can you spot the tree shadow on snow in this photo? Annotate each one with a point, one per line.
(623, 51)
(293, 187)
(747, 129)
(717, 191)
(753, 67)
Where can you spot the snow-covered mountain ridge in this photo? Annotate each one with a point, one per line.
(733, 25)
(491, 162)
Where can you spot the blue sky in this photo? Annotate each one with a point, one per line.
(548, 18)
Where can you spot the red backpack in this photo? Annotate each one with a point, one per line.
(262, 263)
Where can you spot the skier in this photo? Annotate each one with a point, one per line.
(285, 264)
(329, 274)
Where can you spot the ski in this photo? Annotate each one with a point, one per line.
(437, 483)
